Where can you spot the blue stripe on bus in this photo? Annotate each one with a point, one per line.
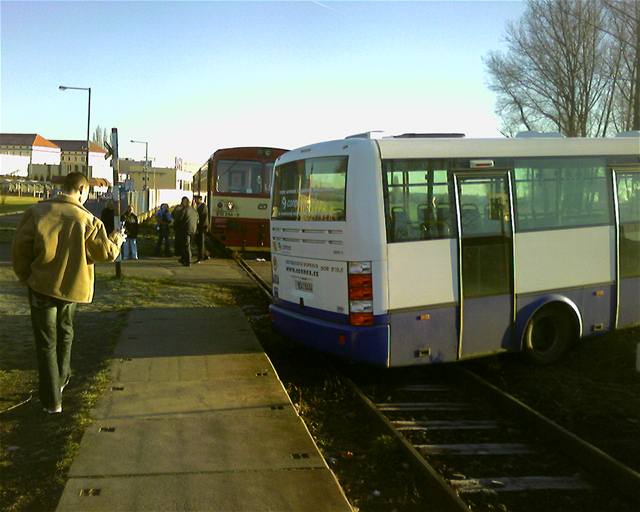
(364, 344)
(329, 316)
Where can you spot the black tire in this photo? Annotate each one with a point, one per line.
(549, 334)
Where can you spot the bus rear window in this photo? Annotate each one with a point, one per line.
(310, 190)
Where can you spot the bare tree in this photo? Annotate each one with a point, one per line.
(556, 73)
(100, 136)
(623, 28)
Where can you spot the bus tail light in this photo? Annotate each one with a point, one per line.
(360, 293)
(360, 287)
(361, 318)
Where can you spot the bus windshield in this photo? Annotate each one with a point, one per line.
(310, 190)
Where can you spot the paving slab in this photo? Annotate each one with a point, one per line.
(310, 490)
(189, 368)
(231, 441)
(193, 331)
(138, 399)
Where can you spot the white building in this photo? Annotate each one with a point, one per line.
(31, 145)
(14, 165)
(164, 184)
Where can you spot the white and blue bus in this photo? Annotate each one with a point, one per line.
(419, 249)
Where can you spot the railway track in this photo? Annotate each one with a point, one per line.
(260, 283)
(481, 449)
(478, 448)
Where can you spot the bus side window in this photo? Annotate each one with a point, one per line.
(443, 220)
(399, 224)
(427, 221)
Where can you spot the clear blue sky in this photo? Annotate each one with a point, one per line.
(192, 77)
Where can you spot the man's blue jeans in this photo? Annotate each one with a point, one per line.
(52, 321)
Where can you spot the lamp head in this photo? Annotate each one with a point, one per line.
(62, 88)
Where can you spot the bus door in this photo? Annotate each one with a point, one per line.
(627, 189)
(485, 262)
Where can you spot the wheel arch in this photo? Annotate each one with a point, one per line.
(526, 314)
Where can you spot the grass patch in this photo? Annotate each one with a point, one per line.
(15, 203)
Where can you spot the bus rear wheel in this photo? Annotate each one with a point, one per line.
(549, 334)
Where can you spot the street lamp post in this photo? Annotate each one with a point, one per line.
(64, 88)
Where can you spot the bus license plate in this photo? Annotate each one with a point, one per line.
(304, 286)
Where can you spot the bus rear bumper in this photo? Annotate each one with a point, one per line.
(364, 344)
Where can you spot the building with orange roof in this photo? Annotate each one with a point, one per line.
(37, 148)
(31, 155)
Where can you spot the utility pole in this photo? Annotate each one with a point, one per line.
(113, 152)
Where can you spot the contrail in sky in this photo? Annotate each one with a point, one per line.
(325, 6)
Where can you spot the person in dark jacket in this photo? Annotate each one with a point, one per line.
(106, 216)
(186, 222)
(177, 214)
(164, 220)
(130, 223)
(203, 226)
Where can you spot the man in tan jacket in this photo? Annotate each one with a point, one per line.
(54, 249)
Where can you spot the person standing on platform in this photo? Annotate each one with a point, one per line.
(164, 220)
(130, 224)
(54, 249)
(106, 216)
(177, 214)
(186, 225)
(203, 226)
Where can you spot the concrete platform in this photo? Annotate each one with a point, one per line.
(195, 418)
